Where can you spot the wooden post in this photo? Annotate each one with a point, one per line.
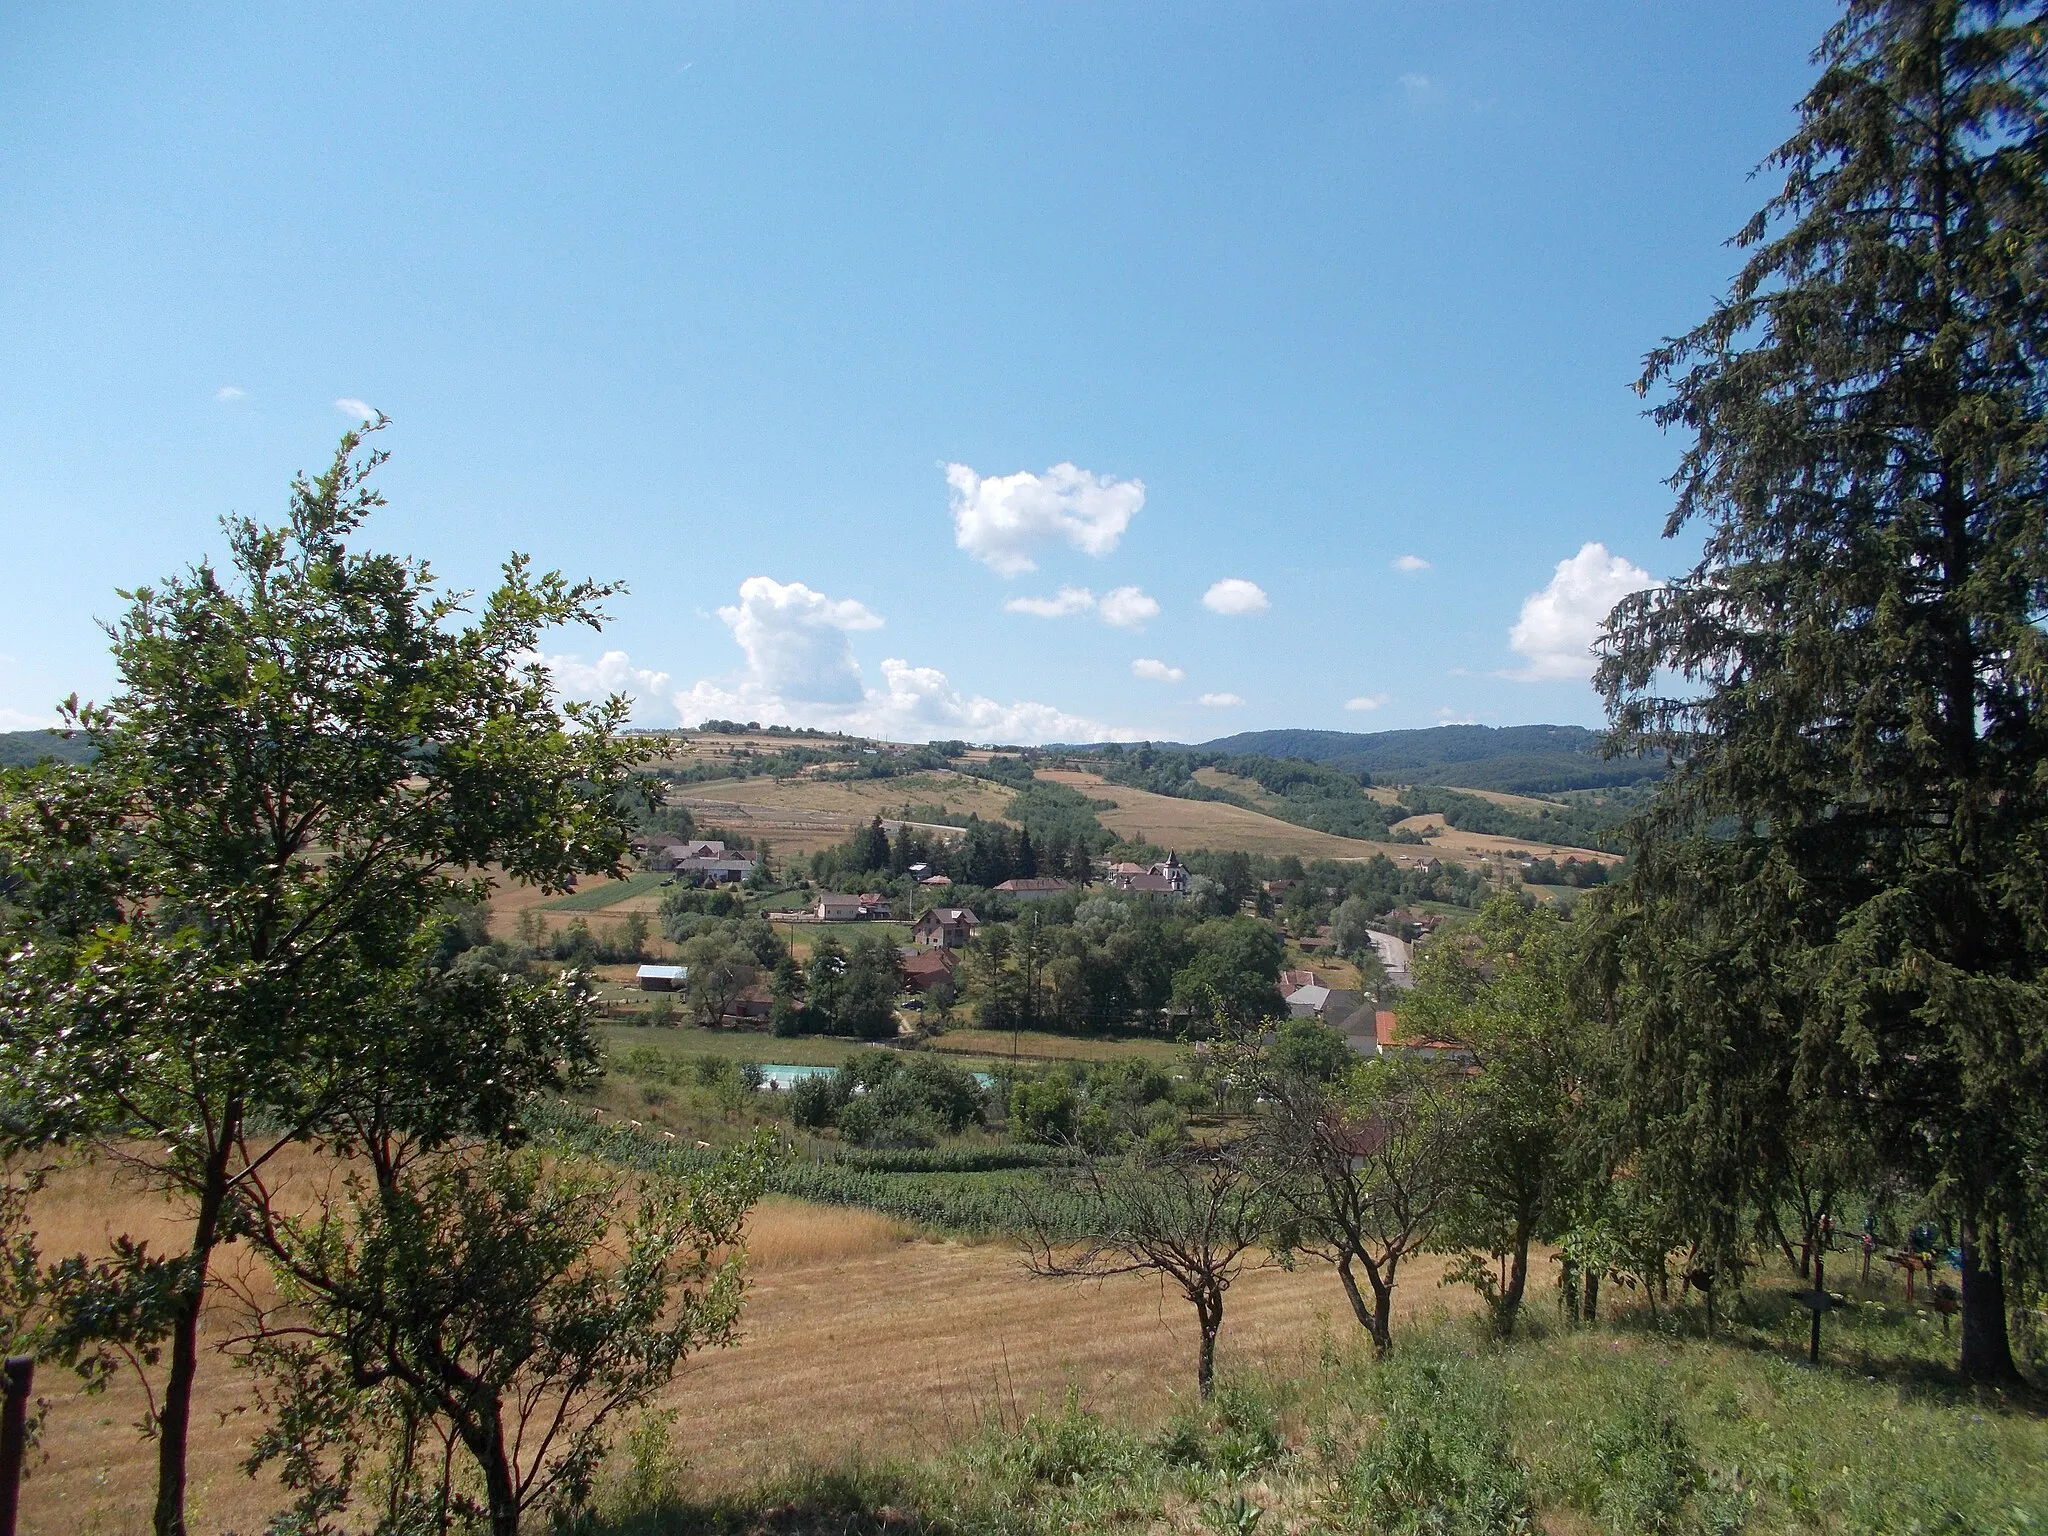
(19, 1378)
(1820, 1299)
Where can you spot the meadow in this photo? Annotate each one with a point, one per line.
(1141, 816)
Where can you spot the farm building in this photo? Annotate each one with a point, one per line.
(662, 978)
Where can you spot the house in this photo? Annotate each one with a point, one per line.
(1388, 1040)
(750, 1010)
(835, 908)
(662, 978)
(924, 969)
(945, 928)
(1289, 980)
(1307, 1002)
(1167, 879)
(937, 882)
(1035, 888)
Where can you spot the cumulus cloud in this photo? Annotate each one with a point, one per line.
(614, 672)
(1128, 608)
(1366, 701)
(800, 670)
(361, 410)
(1558, 625)
(1235, 596)
(1068, 600)
(1153, 670)
(1409, 565)
(229, 392)
(1125, 607)
(1002, 519)
(1219, 700)
(795, 640)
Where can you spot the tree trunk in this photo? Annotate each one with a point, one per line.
(1568, 1292)
(174, 1418)
(499, 1491)
(1377, 1318)
(1986, 1349)
(1510, 1307)
(1592, 1295)
(1209, 1310)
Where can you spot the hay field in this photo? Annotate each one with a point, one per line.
(1039, 1045)
(1447, 842)
(858, 1336)
(804, 814)
(1187, 824)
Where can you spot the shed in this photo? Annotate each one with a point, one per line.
(662, 978)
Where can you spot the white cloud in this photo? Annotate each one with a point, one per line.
(1366, 701)
(229, 392)
(1455, 717)
(1068, 600)
(1409, 565)
(361, 410)
(1000, 520)
(614, 672)
(800, 671)
(1219, 700)
(1153, 670)
(1558, 625)
(1235, 596)
(795, 640)
(1128, 608)
(1416, 83)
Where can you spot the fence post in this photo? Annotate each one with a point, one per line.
(20, 1375)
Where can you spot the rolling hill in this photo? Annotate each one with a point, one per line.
(1514, 759)
(19, 748)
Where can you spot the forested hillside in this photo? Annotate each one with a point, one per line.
(1517, 759)
(21, 747)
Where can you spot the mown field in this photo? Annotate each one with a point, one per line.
(1143, 816)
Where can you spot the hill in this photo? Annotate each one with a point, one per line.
(19, 748)
(1514, 759)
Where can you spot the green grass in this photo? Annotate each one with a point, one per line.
(597, 897)
(808, 934)
(1628, 1430)
(1040, 1046)
(738, 1045)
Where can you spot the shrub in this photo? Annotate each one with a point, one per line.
(1646, 1464)
(1441, 1464)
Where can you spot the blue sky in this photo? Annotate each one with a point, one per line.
(1002, 371)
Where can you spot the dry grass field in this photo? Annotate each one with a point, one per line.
(1184, 824)
(1037, 1045)
(1447, 842)
(859, 1338)
(806, 813)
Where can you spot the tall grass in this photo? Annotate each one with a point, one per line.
(594, 898)
(1631, 1432)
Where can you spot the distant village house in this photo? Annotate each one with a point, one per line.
(945, 928)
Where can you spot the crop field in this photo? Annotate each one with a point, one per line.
(1447, 842)
(1038, 1046)
(859, 1336)
(1141, 815)
(804, 814)
(596, 894)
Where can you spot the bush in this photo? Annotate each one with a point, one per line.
(1441, 1464)
(1646, 1463)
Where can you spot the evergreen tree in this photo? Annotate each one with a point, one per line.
(1854, 835)
(876, 854)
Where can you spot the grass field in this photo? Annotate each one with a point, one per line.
(734, 1044)
(1447, 842)
(802, 815)
(1036, 1045)
(595, 895)
(878, 1368)
(803, 936)
(1143, 816)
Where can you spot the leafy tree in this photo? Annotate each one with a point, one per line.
(1503, 987)
(1858, 812)
(467, 1302)
(1194, 1216)
(867, 1005)
(218, 916)
(1361, 1165)
(721, 968)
